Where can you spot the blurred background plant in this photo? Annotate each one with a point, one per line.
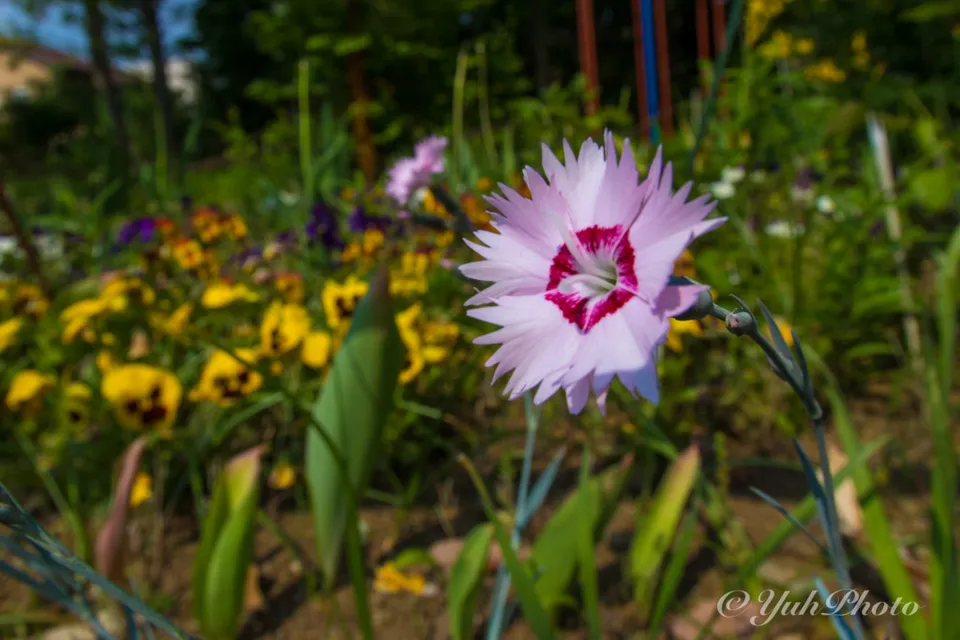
(205, 216)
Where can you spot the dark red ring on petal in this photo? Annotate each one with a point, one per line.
(580, 310)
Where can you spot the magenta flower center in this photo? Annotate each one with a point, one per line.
(592, 275)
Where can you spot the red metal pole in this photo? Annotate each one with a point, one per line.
(638, 70)
(663, 67)
(719, 28)
(703, 38)
(587, 45)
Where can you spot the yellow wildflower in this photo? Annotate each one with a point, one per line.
(225, 378)
(283, 328)
(340, 300)
(222, 294)
(778, 47)
(389, 579)
(8, 332)
(142, 489)
(143, 397)
(317, 347)
(803, 46)
(825, 71)
(484, 184)
(26, 389)
(282, 476)
(680, 328)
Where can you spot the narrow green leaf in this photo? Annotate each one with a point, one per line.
(555, 551)
(884, 550)
(465, 578)
(656, 527)
(586, 551)
(673, 574)
(533, 609)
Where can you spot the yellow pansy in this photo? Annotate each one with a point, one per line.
(28, 299)
(223, 294)
(340, 300)
(26, 389)
(142, 489)
(389, 579)
(132, 290)
(188, 253)
(282, 476)
(317, 348)
(410, 279)
(235, 226)
(432, 205)
(143, 396)
(225, 379)
(176, 322)
(77, 405)
(290, 287)
(105, 361)
(680, 328)
(208, 224)
(283, 328)
(8, 332)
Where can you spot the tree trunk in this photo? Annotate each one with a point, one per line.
(161, 87)
(99, 54)
(366, 151)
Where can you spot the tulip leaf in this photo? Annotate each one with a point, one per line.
(465, 580)
(657, 525)
(226, 547)
(351, 411)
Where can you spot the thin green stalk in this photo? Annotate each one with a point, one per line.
(356, 570)
(501, 588)
(459, 86)
(587, 561)
(309, 571)
(303, 104)
(59, 500)
(486, 124)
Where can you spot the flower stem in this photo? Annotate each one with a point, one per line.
(502, 586)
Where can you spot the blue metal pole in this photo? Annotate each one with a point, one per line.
(650, 67)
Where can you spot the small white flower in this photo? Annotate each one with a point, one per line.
(826, 205)
(8, 246)
(289, 198)
(782, 229)
(722, 190)
(732, 175)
